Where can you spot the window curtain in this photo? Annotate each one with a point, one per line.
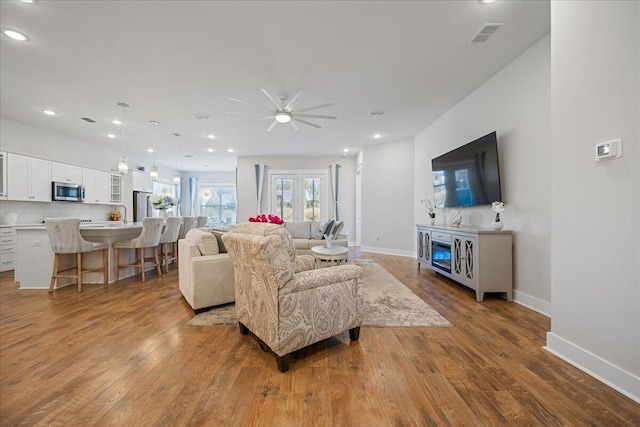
(193, 196)
(334, 177)
(179, 197)
(259, 183)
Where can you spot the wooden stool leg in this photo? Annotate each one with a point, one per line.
(54, 274)
(116, 255)
(105, 266)
(142, 263)
(165, 255)
(79, 270)
(158, 268)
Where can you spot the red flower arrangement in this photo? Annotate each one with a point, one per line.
(266, 218)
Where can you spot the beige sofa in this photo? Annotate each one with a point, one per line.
(306, 234)
(205, 273)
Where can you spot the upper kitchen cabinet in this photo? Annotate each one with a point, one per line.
(61, 172)
(97, 186)
(141, 181)
(28, 178)
(3, 175)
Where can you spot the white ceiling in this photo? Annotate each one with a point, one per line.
(170, 60)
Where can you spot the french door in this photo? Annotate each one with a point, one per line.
(299, 197)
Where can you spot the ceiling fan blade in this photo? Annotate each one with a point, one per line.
(293, 125)
(270, 116)
(247, 103)
(307, 123)
(316, 116)
(278, 106)
(293, 101)
(275, 122)
(315, 107)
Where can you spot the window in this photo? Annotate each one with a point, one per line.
(218, 202)
(299, 197)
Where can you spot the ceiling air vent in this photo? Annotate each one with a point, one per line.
(377, 112)
(87, 119)
(486, 31)
(202, 116)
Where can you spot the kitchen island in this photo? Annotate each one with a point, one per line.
(34, 257)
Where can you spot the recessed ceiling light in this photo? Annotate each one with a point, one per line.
(28, 1)
(230, 150)
(377, 136)
(211, 136)
(149, 150)
(15, 35)
(487, 1)
(110, 135)
(49, 112)
(210, 150)
(346, 150)
(116, 122)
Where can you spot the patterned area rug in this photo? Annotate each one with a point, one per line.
(388, 303)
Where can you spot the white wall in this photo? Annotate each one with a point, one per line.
(516, 104)
(595, 81)
(387, 192)
(247, 184)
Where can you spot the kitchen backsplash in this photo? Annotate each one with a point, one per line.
(36, 212)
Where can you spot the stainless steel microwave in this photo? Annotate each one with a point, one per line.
(67, 192)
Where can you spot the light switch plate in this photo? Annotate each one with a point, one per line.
(609, 149)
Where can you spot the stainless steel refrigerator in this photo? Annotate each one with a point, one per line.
(141, 205)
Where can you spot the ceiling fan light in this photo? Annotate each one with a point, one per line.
(283, 117)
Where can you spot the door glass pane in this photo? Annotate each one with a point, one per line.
(311, 199)
(284, 198)
(219, 203)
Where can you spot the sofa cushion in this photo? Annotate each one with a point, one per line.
(218, 234)
(327, 231)
(205, 241)
(301, 243)
(317, 233)
(299, 230)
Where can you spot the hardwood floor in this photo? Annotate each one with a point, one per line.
(122, 355)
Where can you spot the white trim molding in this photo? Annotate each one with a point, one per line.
(602, 370)
(387, 251)
(535, 304)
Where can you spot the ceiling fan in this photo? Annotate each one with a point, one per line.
(284, 111)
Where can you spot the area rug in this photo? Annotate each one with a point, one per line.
(388, 303)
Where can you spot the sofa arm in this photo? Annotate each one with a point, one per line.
(305, 263)
(313, 279)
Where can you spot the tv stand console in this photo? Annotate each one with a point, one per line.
(478, 258)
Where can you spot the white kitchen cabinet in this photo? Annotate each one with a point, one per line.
(28, 178)
(97, 186)
(7, 248)
(116, 188)
(141, 181)
(3, 175)
(62, 172)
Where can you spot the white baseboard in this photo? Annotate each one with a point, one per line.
(535, 304)
(599, 368)
(387, 251)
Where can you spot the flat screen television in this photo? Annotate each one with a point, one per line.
(468, 175)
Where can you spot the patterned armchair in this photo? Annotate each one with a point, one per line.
(285, 307)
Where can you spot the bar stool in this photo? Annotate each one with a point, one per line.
(170, 237)
(188, 222)
(201, 221)
(65, 238)
(149, 238)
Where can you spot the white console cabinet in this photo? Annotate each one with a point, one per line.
(480, 259)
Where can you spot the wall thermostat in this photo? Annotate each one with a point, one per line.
(609, 149)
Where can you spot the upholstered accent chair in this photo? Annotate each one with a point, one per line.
(288, 310)
(149, 238)
(169, 240)
(65, 238)
(201, 221)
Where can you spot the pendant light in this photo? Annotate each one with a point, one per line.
(176, 175)
(123, 165)
(154, 169)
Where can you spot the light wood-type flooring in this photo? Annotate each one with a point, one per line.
(121, 355)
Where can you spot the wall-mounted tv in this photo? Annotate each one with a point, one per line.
(468, 175)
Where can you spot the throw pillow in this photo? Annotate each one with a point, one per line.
(317, 235)
(337, 228)
(299, 229)
(328, 229)
(218, 234)
(205, 241)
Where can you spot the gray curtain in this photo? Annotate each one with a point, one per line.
(259, 183)
(334, 177)
(193, 196)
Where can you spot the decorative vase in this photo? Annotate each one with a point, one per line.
(163, 213)
(328, 244)
(497, 225)
(455, 218)
(432, 221)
